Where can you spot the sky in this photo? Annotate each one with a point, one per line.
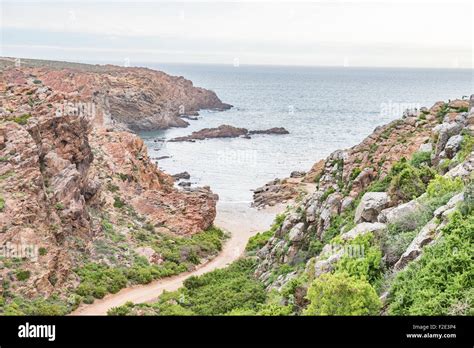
(384, 33)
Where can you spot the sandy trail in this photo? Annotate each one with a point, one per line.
(238, 219)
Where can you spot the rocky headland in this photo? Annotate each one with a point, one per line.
(130, 98)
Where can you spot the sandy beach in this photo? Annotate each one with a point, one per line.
(238, 219)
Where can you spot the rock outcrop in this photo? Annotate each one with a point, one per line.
(226, 131)
(274, 130)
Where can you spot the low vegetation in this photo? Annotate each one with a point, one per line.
(440, 282)
(22, 120)
(341, 294)
(227, 291)
(260, 239)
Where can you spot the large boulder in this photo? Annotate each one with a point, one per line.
(427, 147)
(297, 233)
(370, 206)
(452, 203)
(453, 145)
(399, 213)
(364, 228)
(463, 170)
(426, 236)
(328, 263)
(445, 131)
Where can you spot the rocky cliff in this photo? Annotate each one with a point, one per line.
(80, 192)
(131, 98)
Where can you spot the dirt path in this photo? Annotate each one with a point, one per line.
(242, 222)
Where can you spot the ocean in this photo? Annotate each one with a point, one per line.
(324, 109)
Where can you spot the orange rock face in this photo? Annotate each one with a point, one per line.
(132, 98)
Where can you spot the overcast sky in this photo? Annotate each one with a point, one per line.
(414, 33)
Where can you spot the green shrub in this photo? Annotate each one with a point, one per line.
(118, 202)
(42, 251)
(355, 173)
(444, 165)
(111, 234)
(426, 174)
(39, 306)
(121, 310)
(342, 222)
(396, 244)
(467, 146)
(421, 158)
(273, 309)
(367, 266)
(98, 279)
(326, 194)
(22, 275)
(406, 185)
(112, 188)
(467, 206)
(406, 181)
(341, 294)
(440, 281)
(259, 240)
(380, 185)
(140, 275)
(315, 247)
(22, 120)
(441, 186)
(2, 203)
(442, 112)
(217, 293)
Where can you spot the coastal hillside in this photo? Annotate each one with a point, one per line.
(388, 230)
(83, 210)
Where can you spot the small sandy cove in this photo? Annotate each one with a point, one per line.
(238, 219)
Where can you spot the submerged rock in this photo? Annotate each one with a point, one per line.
(223, 131)
(274, 130)
(180, 176)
